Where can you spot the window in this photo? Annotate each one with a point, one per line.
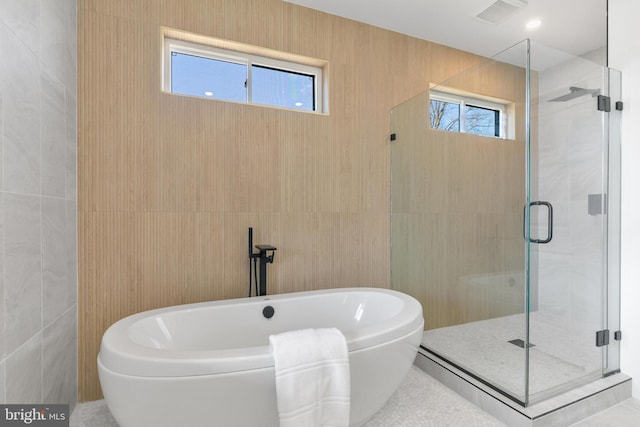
(211, 72)
(201, 76)
(445, 115)
(464, 113)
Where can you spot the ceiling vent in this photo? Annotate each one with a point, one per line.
(501, 10)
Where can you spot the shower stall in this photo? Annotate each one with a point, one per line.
(505, 188)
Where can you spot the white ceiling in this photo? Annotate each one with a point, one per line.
(572, 26)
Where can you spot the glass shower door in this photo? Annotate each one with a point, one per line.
(569, 223)
(507, 232)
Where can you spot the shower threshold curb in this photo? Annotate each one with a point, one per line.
(563, 409)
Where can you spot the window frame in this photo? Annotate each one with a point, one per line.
(470, 100)
(242, 58)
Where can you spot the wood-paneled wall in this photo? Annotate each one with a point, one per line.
(457, 207)
(168, 184)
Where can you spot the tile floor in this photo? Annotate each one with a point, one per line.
(420, 401)
(624, 414)
(563, 350)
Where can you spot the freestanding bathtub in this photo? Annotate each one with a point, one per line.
(210, 364)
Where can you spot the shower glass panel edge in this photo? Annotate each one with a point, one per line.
(611, 364)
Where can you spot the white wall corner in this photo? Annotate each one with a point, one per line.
(624, 55)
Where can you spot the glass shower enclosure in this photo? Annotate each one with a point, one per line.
(505, 188)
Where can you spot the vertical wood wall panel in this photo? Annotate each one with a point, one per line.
(169, 184)
(457, 203)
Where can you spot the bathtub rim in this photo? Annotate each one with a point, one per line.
(120, 354)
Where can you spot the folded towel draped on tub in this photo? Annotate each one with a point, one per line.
(312, 377)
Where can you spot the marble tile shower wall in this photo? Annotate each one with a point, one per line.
(38, 258)
(571, 150)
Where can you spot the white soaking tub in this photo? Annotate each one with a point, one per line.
(210, 364)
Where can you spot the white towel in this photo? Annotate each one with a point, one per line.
(312, 378)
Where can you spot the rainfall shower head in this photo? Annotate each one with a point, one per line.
(576, 92)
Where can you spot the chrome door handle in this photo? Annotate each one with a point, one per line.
(549, 222)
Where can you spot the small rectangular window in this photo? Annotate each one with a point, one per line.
(282, 88)
(481, 120)
(211, 72)
(466, 114)
(199, 76)
(445, 115)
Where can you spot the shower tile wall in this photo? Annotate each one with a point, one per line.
(38, 284)
(570, 150)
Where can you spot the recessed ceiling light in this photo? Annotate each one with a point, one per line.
(298, 104)
(533, 24)
(208, 93)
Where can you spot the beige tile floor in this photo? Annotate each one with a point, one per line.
(420, 401)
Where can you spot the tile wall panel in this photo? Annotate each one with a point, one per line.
(38, 129)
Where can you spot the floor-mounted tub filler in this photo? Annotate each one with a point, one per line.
(210, 363)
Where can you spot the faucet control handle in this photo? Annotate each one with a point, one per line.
(264, 252)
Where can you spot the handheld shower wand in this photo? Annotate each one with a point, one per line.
(251, 258)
